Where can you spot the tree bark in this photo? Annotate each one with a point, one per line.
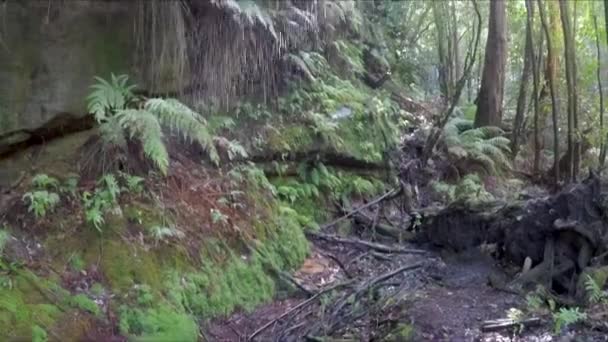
(602, 158)
(490, 98)
(535, 82)
(523, 85)
(569, 56)
(551, 81)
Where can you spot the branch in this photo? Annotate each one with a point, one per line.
(371, 245)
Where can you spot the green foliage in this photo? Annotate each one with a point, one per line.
(160, 323)
(4, 237)
(594, 291)
(484, 145)
(162, 233)
(39, 334)
(116, 109)
(41, 202)
(566, 317)
(107, 97)
(83, 302)
(469, 189)
(104, 198)
(70, 186)
(43, 181)
(134, 184)
(252, 175)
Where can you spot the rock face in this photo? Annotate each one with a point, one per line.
(49, 53)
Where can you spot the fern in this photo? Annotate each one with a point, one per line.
(594, 291)
(43, 181)
(566, 317)
(112, 105)
(144, 126)
(106, 97)
(484, 145)
(41, 202)
(184, 121)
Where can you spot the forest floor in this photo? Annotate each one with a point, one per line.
(448, 298)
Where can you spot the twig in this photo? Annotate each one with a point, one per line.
(496, 325)
(298, 307)
(372, 245)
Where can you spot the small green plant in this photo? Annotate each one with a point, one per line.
(134, 183)
(44, 181)
(594, 291)
(70, 186)
(566, 317)
(76, 262)
(39, 334)
(104, 198)
(41, 202)
(217, 217)
(4, 238)
(83, 302)
(161, 233)
(534, 302)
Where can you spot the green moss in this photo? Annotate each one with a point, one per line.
(162, 323)
(24, 306)
(292, 138)
(125, 265)
(81, 301)
(402, 333)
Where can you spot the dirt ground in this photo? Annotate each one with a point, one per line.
(448, 299)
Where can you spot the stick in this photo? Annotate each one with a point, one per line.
(490, 326)
(297, 307)
(372, 245)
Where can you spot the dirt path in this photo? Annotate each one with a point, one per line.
(447, 299)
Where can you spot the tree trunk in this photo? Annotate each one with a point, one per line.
(442, 48)
(489, 100)
(523, 86)
(602, 158)
(569, 56)
(551, 81)
(535, 82)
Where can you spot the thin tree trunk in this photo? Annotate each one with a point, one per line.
(490, 98)
(602, 158)
(523, 85)
(569, 55)
(535, 82)
(551, 82)
(469, 62)
(442, 48)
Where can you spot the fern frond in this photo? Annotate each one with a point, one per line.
(594, 291)
(143, 125)
(184, 121)
(106, 97)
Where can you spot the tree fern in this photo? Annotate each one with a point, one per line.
(484, 145)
